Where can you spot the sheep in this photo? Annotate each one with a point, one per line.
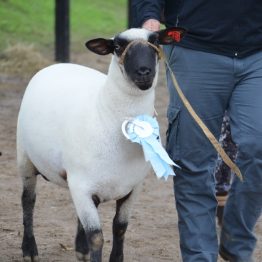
(69, 131)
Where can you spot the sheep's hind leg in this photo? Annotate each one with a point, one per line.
(28, 172)
(120, 223)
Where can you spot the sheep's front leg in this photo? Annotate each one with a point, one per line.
(81, 245)
(120, 223)
(93, 241)
(89, 225)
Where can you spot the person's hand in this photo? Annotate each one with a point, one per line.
(152, 25)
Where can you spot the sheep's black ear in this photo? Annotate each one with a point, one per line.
(170, 35)
(101, 46)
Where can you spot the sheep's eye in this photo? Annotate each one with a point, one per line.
(156, 42)
(153, 39)
(117, 47)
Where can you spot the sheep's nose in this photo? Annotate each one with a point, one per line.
(143, 71)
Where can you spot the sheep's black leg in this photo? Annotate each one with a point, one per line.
(89, 236)
(29, 246)
(28, 173)
(95, 238)
(84, 240)
(120, 223)
(95, 242)
(81, 245)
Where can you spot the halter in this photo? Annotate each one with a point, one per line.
(139, 41)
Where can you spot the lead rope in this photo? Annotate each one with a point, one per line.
(188, 106)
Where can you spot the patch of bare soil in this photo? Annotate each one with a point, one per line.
(152, 234)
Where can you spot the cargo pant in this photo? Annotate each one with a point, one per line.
(215, 83)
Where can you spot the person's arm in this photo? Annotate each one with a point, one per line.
(147, 13)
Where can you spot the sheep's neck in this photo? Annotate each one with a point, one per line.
(120, 100)
(122, 104)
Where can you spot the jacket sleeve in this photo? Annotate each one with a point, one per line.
(143, 10)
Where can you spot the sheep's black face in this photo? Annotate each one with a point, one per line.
(139, 61)
(140, 65)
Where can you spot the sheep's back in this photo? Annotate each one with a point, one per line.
(57, 98)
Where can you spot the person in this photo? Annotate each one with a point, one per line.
(223, 174)
(218, 65)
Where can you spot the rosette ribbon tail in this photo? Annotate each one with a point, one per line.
(145, 131)
(159, 159)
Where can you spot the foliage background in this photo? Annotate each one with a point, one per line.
(32, 21)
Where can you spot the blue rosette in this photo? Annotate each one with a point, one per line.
(144, 130)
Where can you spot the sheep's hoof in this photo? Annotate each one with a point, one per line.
(31, 259)
(82, 257)
(116, 258)
(30, 253)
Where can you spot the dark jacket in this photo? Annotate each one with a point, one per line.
(226, 27)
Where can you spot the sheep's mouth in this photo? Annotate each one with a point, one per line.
(143, 84)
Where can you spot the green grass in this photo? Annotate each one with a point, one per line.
(32, 21)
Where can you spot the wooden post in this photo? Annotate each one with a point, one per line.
(129, 14)
(62, 31)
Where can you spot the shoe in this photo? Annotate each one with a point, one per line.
(227, 256)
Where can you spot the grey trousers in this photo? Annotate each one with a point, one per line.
(214, 83)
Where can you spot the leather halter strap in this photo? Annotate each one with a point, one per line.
(138, 41)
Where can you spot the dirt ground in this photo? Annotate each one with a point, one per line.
(152, 234)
